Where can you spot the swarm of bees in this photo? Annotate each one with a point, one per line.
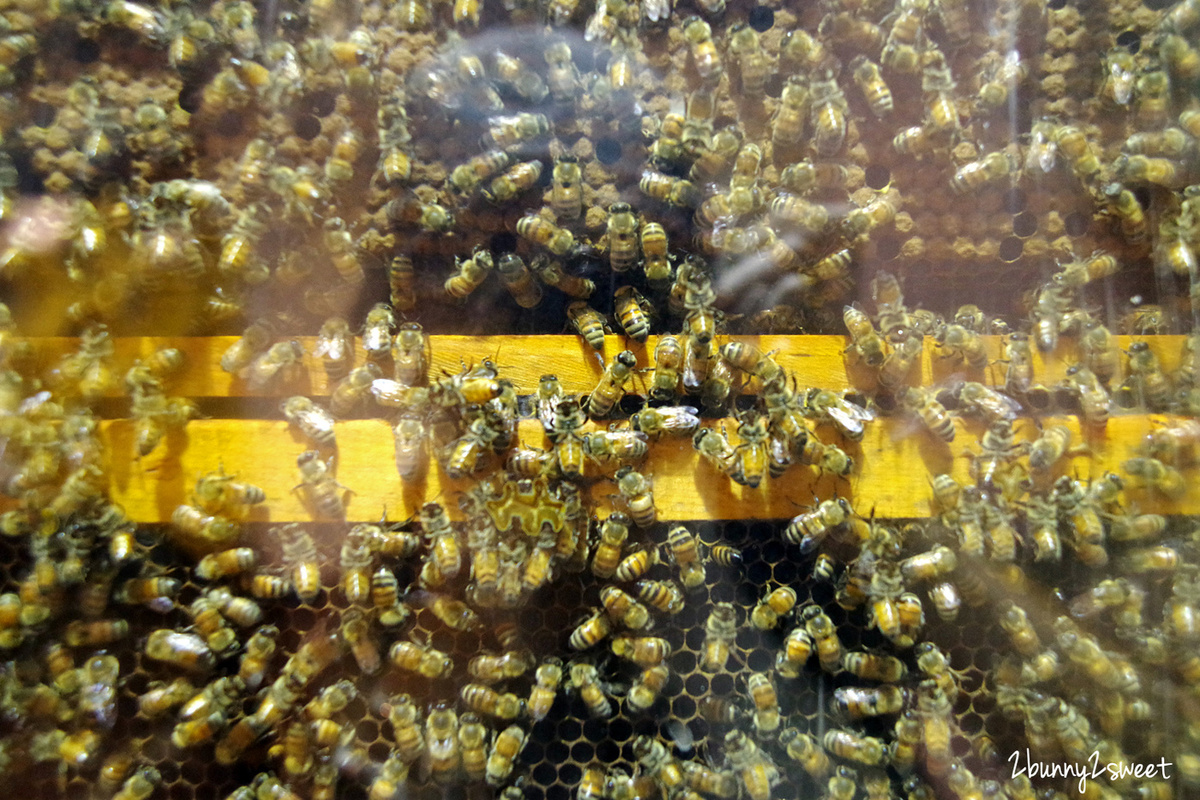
(792, 162)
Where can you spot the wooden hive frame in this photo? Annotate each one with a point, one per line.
(262, 450)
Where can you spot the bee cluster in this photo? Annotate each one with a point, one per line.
(681, 173)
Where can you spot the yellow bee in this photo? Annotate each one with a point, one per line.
(673, 191)
(519, 281)
(719, 632)
(540, 231)
(828, 114)
(776, 604)
(973, 176)
(590, 632)
(938, 86)
(633, 313)
(300, 555)
(853, 747)
(750, 58)
(420, 659)
(804, 749)
(795, 103)
(870, 81)
(441, 733)
(755, 768)
(611, 387)
(645, 651)
(646, 688)
(485, 700)
(566, 200)
(663, 595)
(406, 728)
(185, 650)
(465, 178)
(257, 655)
(585, 679)
(698, 34)
(766, 704)
(469, 274)
(623, 609)
(514, 181)
(589, 322)
(656, 263)
(1074, 146)
(507, 132)
(545, 689)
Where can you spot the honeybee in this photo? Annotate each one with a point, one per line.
(1160, 477)
(989, 169)
(632, 312)
(719, 632)
(673, 421)
(585, 679)
(828, 114)
(157, 593)
(505, 750)
(313, 421)
(1146, 378)
(420, 659)
(335, 348)
(469, 274)
(1003, 80)
(611, 386)
(257, 655)
(915, 141)
(864, 340)
(870, 81)
(540, 231)
(795, 104)
(811, 528)
(441, 733)
(749, 460)
(512, 182)
(792, 211)
(562, 76)
(591, 631)
(613, 532)
(933, 414)
(758, 773)
(752, 62)
(858, 702)
(519, 281)
(485, 700)
(707, 61)
(656, 263)
(824, 635)
(185, 650)
(516, 130)
(963, 344)
(1093, 398)
(647, 687)
(663, 595)
(352, 391)
(1071, 142)
(300, 556)
(226, 563)
(673, 191)
(937, 84)
(853, 747)
(621, 236)
(645, 651)
(777, 603)
(140, 785)
(623, 609)
(766, 704)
